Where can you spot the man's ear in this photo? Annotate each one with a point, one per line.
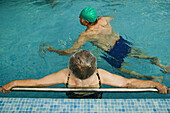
(86, 22)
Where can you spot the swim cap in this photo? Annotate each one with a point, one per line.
(89, 14)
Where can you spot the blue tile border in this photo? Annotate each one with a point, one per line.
(39, 105)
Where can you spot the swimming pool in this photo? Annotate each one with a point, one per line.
(26, 24)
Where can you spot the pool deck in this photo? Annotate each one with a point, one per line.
(49, 105)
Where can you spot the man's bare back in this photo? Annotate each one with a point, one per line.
(102, 34)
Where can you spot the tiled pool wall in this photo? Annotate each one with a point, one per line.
(47, 105)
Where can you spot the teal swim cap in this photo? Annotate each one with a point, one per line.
(89, 14)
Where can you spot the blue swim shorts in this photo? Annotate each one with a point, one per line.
(121, 49)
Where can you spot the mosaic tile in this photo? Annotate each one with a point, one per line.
(33, 105)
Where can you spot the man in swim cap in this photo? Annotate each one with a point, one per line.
(88, 16)
(101, 34)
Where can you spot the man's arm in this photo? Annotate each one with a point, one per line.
(77, 44)
(52, 79)
(119, 81)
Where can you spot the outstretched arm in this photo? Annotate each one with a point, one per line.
(52, 79)
(77, 44)
(119, 81)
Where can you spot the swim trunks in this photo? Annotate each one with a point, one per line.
(115, 57)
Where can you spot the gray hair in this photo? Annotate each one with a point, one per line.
(83, 64)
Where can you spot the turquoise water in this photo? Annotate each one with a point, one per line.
(24, 25)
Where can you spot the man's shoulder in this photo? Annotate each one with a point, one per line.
(107, 18)
(103, 18)
(102, 21)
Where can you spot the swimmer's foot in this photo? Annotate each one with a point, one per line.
(165, 69)
(158, 78)
(155, 61)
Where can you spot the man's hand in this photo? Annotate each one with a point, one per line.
(43, 49)
(50, 48)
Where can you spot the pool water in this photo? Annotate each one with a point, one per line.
(25, 25)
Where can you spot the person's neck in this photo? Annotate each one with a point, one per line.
(91, 25)
(85, 82)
